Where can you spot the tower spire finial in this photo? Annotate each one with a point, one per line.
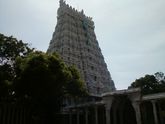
(62, 2)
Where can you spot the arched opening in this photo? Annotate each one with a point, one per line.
(101, 115)
(147, 112)
(122, 111)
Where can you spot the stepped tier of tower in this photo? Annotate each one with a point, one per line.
(75, 40)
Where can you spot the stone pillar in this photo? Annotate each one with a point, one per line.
(86, 115)
(12, 114)
(96, 114)
(101, 114)
(114, 113)
(70, 117)
(78, 117)
(24, 116)
(108, 104)
(160, 113)
(154, 111)
(121, 119)
(136, 106)
(21, 115)
(1, 114)
(107, 110)
(16, 115)
(4, 113)
(8, 113)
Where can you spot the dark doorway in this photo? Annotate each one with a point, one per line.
(147, 112)
(101, 115)
(122, 111)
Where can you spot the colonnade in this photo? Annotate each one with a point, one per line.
(154, 111)
(118, 108)
(87, 115)
(155, 115)
(115, 113)
(136, 101)
(157, 119)
(13, 114)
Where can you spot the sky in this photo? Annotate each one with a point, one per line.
(131, 33)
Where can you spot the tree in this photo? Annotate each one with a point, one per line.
(44, 80)
(35, 78)
(160, 76)
(150, 83)
(5, 80)
(41, 77)
(75, 87)
(10, 49)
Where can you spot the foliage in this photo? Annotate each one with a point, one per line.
(5, 80)
(75, 87)
(160, 77)
(40, 77)
(45, 79)
(150, 83)
(10, 49)
(36, 78)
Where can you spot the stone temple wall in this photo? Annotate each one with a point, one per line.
(75, 40)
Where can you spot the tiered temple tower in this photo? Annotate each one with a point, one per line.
(75, 40)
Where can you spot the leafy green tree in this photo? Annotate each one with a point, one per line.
(150, 83)
(41, 77)
(10, 49)
(160, 76)
(35, 78)
(5, 80)
(45, 80)
(75, 87)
